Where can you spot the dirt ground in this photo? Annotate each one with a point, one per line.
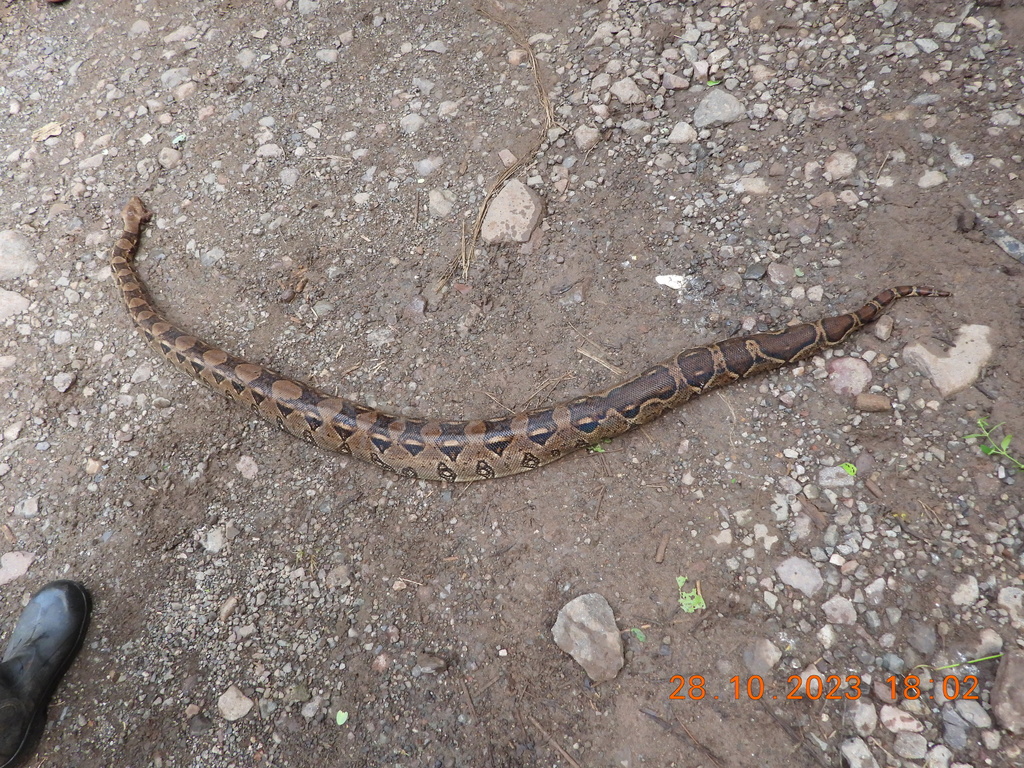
(293, 225)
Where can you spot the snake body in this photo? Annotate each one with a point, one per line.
(477, 449)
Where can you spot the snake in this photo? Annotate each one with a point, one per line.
(474, 449)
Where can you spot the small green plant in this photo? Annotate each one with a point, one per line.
(638, 634)
(690, 600)
(599, 447)
(990, 447)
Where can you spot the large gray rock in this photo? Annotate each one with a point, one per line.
(586, 630)
(1008, 692)
(718, 108)
(800, 574)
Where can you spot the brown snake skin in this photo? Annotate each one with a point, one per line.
(478, 449)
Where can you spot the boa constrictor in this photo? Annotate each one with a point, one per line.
(477, 449)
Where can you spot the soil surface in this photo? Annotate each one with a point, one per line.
(250, 587)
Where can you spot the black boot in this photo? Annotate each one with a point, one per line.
(42, 647)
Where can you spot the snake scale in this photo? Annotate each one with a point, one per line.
(477, 449)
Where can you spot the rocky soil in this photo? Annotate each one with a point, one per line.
(680, 173)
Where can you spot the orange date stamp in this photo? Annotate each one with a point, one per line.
(827, 687)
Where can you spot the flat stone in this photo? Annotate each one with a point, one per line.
(513, 214)
(233, 704)
(835, 477)
(440, 203)
(857, 754)
(718, 107)
(862, 716)
(930, 179)
(960, 367)
(172, 78)
(1011, 600)
(1006, 118)
(586, 630)
(11, 304)
(954, 728)
(800, 574)
(761, 656)
(966, 592)
(938, 756)
(912, 746)
(839, 610)
(897, 721)
(922, 637)
(840, 165)
(848, 375)
(1008, 692)
(15, 255)
(972, 711)
(14, 565)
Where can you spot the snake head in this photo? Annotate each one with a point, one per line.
(134, 214)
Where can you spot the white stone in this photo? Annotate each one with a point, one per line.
(11, 304)
(835, 477)
(440, 203)
(897, 721)
(930, 179)
(682, 133)
(960, 367)
(960, 158)
(752, 185)
(15, 255)
(586, 630)
(233, 704)
(966, 592)
(411, 123)
(840, 165)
